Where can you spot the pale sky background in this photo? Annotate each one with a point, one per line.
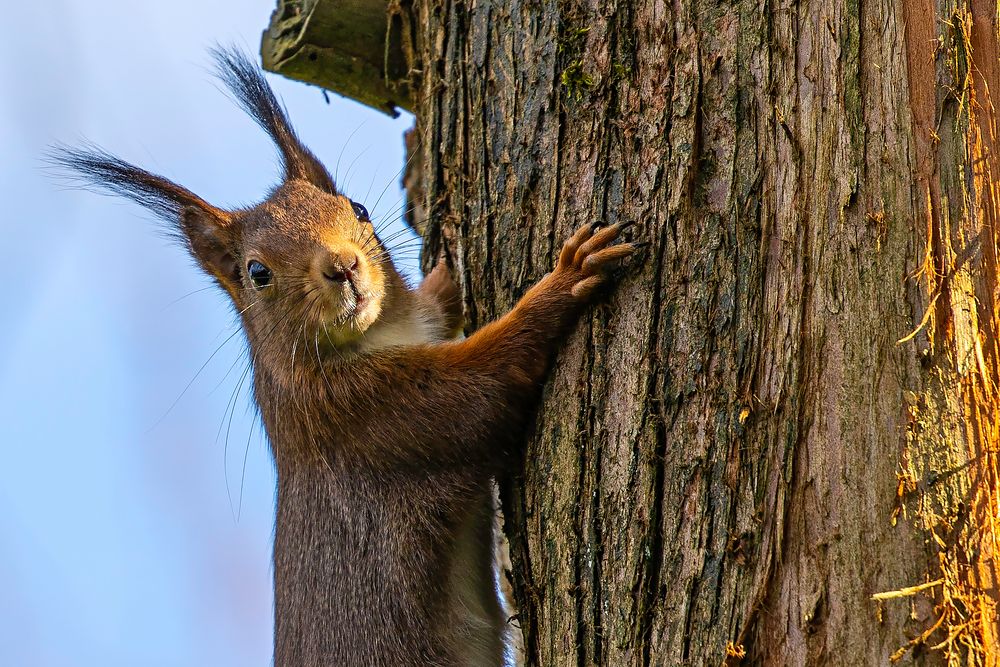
(119, 542)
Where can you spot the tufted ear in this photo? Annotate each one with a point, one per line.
(253, 93)
(207, 231)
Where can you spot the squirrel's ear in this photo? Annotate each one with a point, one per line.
(209, 231)
(248, 85)
(211, 240)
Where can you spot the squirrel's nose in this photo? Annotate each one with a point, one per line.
(341, 266)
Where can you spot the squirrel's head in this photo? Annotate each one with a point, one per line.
(304, 265)
(317, 250)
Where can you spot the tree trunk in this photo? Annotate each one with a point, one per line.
(789, 405)
(776, 443)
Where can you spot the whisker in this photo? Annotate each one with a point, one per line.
(398, 205)
(181, 298)
(381, 223)
(347, 176)
(370, 185)
(225, 449)
(392, 215)
(394, 178)
(236, 362)
(243, 476)
(405, 244)
(202, 368)
(295, 342)
(396, 235)
(322, 369)
(336, 169)
(231, 410)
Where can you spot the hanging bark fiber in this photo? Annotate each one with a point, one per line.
(777, 443)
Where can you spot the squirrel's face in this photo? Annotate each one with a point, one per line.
(310, 261)
(303, 267)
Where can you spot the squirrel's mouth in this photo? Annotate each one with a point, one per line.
(357, 310)
(359, 297)
(352, 303)
(355, 303)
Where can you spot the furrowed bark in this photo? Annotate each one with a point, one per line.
(789, 405)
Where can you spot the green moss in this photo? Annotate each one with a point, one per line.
(574, 77)
(621, 71)
(576, 80)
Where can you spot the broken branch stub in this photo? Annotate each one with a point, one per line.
(345, 46)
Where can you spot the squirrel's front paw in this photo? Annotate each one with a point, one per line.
(587, 256)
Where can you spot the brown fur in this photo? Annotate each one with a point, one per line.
(384, 433)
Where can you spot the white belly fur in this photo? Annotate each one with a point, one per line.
(479, 625)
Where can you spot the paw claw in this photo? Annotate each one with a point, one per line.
(600, 260)
(588, 256)
(596, 243)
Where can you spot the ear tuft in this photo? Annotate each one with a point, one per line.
(208, 231)
(248, 85)
(93, 167)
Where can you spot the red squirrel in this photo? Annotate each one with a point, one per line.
(385, 432)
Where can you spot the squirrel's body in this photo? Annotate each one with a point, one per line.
(405, 570)
(385, 432)
(435, 588)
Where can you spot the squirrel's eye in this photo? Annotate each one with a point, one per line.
(260, 275)
(360, 211)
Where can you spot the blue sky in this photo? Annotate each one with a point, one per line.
(119, 537)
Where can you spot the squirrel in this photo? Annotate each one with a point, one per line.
(386, 431)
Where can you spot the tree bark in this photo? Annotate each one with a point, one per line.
(776, 443)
